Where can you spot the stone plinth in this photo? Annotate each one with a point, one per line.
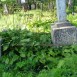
(63, 34)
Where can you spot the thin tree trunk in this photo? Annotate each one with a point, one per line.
(5, 9)
(69, 4)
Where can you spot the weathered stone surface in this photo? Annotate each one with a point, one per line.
(62, 24)
(61, 10)
(5, 9)
(33, 6)
(65, 35)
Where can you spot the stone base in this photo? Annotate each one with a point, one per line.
(63, 34)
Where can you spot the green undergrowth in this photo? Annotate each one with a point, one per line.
(72, 19)
(27, 49)
(31, 54)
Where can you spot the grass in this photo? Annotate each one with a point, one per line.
(36, 20)
(72, 19)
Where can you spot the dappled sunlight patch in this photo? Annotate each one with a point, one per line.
(29, 19)
(72, 19)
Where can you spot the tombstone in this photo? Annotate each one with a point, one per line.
(22, 1)
(61, 10)
(24, 5)
(62, 31)
(32, 6)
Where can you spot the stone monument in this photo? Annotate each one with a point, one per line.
(32, 6)
(24, 5)
(62, 31)
(22, 1)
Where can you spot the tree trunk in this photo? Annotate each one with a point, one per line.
(70, 4)
(5, 9)
(41, 6)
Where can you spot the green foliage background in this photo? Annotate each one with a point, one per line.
(25, 55)
(27, 49)
(28, 52)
